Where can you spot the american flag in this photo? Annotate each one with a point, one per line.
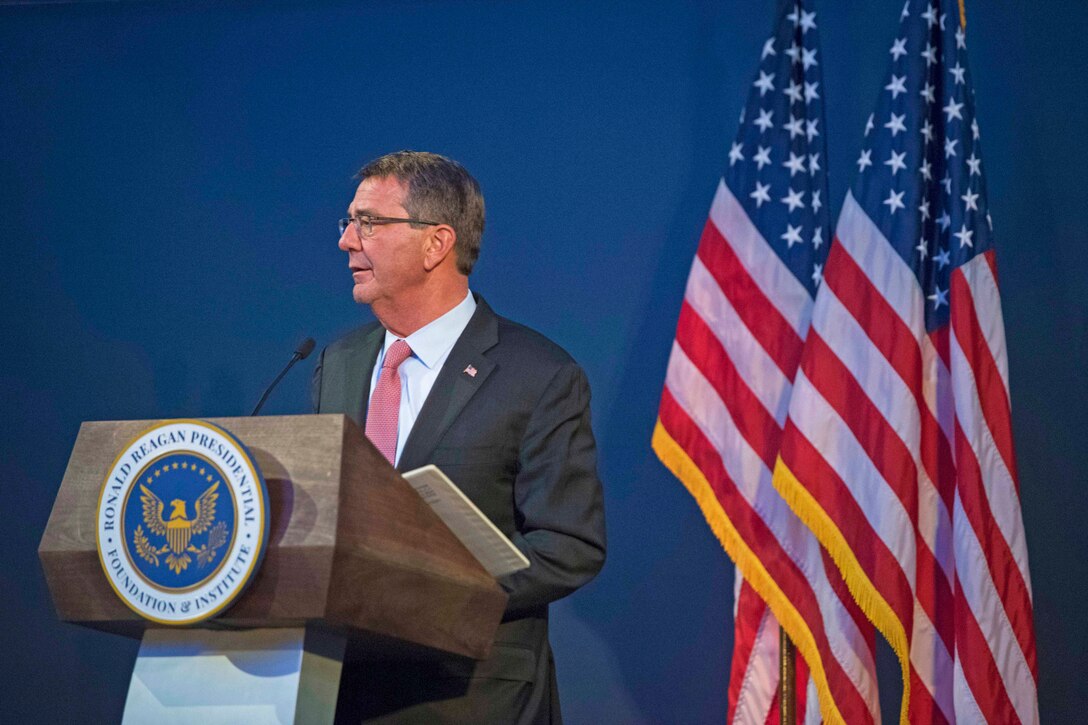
(898, 448)
(743, 320)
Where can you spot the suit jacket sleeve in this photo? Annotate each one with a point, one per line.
(557, 496)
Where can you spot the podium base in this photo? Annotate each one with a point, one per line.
(253, 676)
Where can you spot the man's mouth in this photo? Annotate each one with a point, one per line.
(360, 274)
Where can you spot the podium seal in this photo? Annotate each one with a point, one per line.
(182, 522)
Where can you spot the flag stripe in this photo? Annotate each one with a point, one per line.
(933, 592)
(980, 670)
(900, 346)
(852, 563)
(695, 396)
(923, 708)
(932, 664)
(942, 406)
(765, 320)
(980, 344)
(849, 518)
(845, 634)
(862, 634)
(868, 307)
(759, 262)
(993, 482)
(865, 404)
(888, 391)
(990, 497)
(999, 565)
(753, 678)
(751, 419)
(981, 274)
(741, 349)
(967, 710)
(874, 255)
(847, 477)
(866, 407)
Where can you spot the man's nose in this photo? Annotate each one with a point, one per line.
(349, 240)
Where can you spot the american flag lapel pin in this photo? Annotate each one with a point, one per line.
(470, 371)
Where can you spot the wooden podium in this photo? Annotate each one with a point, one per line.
(354, 555)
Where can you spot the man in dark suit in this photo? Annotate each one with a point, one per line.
(442, 379)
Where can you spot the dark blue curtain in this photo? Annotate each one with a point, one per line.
(170, 179)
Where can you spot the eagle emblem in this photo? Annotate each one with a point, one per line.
(182, 522)
(178, 530)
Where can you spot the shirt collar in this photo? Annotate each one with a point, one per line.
(431, 342)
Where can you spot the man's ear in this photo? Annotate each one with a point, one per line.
(440, 243)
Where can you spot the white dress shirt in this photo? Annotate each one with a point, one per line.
(431, 345)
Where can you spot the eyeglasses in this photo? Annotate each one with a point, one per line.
(365, 223)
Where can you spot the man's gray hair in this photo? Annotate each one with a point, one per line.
(439, 190)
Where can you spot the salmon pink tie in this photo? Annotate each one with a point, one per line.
(384, 411)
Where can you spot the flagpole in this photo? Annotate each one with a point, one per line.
(787, 680)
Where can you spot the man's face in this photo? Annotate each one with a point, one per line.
(390, 263)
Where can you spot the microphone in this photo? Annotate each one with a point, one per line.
(301, 353)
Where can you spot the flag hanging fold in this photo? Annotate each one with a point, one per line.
(743, 320)
(898, 447)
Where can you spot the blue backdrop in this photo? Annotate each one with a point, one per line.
(170, 179)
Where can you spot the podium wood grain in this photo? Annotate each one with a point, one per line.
(351, 546)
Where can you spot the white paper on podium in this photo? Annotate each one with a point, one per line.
(490, 546)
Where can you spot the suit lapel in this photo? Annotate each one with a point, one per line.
(454, 387)
(360, 357)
